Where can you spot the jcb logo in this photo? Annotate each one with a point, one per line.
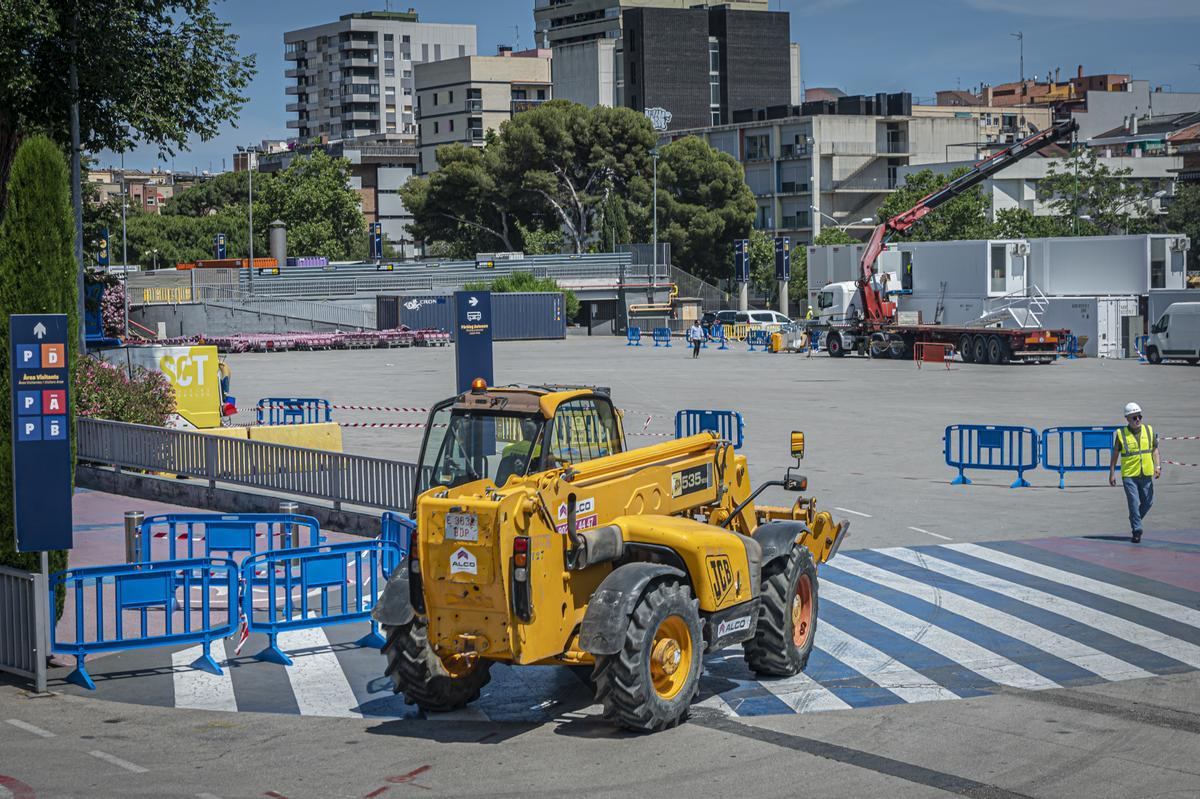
(720, 576)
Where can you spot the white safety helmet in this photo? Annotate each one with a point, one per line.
(1132, 408)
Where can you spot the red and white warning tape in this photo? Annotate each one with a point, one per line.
(183, 536)
(1180, 438)
(375, 425)
(1177, 463)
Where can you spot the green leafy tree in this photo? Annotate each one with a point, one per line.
(37, 275)
(964, 217)
(762, 263)
(217, 193)
(171, 239)
(540, 242)
(525, 282)
(703, 205)
(1020, 223)
(1083, 186)
(1183, 216)
(313, 196)
(149, 72)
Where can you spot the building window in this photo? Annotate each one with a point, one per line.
(633, 73)
(424, 52)
(451, 100)
(714, 93)
(714, 56)
(716, 117)
(518, 94)
(435, 127)
(541, 94)
(462, 50)
(406, 38)
(631, 40)
(474, 94)
(450, 125)
(435, 98)
(758, 146)
(437, 52)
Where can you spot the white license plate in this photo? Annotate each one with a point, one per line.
(462, 527)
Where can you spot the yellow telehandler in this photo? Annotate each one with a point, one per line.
(542, 539)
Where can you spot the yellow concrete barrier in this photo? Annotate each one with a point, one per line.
(318, 435)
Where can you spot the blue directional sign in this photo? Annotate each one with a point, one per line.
(741, 260)
(102, 251)
(377, 241)
(783, 258)
(219, 246)
(473, 337)
(41, 441)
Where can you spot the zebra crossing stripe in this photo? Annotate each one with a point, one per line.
(318, 682)
(201, 690)
(1151, 604)
(882, 669)
(803, 694)
(1182, 651)
(1093, 660)
(995, 667)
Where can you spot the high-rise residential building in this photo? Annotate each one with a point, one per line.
(568, 21)
(460, 99)
(354, 77)
(701, 64)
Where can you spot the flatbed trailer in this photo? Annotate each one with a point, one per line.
(991, 345)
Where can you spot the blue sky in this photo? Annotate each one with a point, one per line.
(861, 46)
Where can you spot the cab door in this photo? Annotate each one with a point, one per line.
(583, 429)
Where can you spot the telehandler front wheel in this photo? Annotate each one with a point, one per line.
(787, 618)
(424, 678)
(650, 683)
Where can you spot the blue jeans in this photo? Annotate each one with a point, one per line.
(1139, 494)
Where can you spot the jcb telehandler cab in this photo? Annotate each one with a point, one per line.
(542, 540)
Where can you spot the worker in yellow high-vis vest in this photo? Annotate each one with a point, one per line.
(1136, 447)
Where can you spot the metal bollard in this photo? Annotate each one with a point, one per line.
(289, 534)
(133, 535)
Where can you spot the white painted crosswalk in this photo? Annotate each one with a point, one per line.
(895, 626)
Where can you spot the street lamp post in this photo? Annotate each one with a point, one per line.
(249, 150)
(124, 249)
(154, 255)
(654, 202)
(842, 227)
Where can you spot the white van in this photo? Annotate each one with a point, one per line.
(1176, 335)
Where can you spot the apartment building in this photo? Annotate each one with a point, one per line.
(995, 124)
(559, 22)
(807, 172)
(460, 99)
(354, 77)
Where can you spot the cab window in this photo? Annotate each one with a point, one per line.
(582, 429)
(825, 299)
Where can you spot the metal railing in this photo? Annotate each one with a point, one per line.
(22, 616)
(1023, 308)
(325, 313)
(335, 477)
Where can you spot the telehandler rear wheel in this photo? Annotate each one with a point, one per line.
(650, 683)
(787, 618)
(424, 678)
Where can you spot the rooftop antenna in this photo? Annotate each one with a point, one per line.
(1020, 36)
(516, 38)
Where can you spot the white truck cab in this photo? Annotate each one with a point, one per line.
(1176, 334)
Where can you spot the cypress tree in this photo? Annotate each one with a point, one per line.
(37, 275)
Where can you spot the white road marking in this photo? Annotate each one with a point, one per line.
(947, 644)
(1082, 614)
(116, 761)
(1146, 602)
(201, 690)
(803, 694)
(930, 532)
(25, 725)
(318, 682)
(880, 667)
(1082, 655)
(855, 512)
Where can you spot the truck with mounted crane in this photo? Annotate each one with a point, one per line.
(860, 315)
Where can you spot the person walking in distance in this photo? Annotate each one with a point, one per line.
(696, 336)
(1136, 446)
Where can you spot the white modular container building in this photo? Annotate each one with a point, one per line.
(1161, 299)
(1108, 265)
(1098, 322)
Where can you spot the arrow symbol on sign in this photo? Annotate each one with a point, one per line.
(474, 302)
(39, 330)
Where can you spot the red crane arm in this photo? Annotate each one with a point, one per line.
(874, 304)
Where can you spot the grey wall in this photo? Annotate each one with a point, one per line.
(755, 59)
(195, 319)
(666, 63)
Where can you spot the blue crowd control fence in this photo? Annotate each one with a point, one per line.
(1139, 346)
(717, 334)
(1069, 346)
(1077, 449)
(757, 338)
(292, 410)
(633, 337)
(226, 533)
(314, 587)
(194, 601)
(397, 529)
(662, 336)
(996, 447)
(726, 424)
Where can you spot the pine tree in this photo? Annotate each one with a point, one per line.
(37, 275)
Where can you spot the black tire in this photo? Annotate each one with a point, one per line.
(979, 349)
(995, 350)
(1153, 355)
(1193, 361)
(779, 648)
(833, 345)
(422, 677)
(626, 682)
(965, 348)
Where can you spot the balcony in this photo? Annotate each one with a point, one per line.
(757, 154)
(349, 62)
(793, 187)
(791, 152)
(872, 185)
(360, 116)
(474, 104)
(475, 135)
(291, 107)
(797, 222)
(356, 44)
(522, 105)
(297, 123)
(294, 89)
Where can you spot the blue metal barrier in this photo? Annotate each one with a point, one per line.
(757, 338)
(292, 410)
(988, 446)
(226, 533)
(717, 333)
(346, 579)
(1077, 449)
(633, 337)
(1069, 346)
(728, 425)
(1139, 346)
(397, 529)
(661, 335)
(169, 587)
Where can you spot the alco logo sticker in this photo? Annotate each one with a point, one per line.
(689, 481)
(733, 626)
(463, 562)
